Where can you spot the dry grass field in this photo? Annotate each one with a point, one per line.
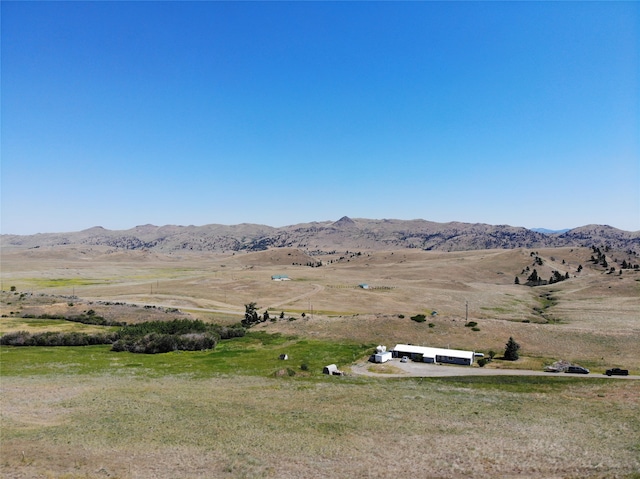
(65, 424)
(593, 317)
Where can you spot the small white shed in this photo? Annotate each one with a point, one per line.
(332, 370)
(382, 356)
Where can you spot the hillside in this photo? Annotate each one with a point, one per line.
(341, 235)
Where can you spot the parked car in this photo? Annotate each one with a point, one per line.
(551, 369)
(577, 370)
(404, 359)
(617, 372)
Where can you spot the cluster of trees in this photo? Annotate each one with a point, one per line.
(312, 264)
(537, 259)
(251, 316)
(628, 265)
(149, 337)
(53, 338)
(154, 337)
(599, 258)
(534, 280)
(557, 277)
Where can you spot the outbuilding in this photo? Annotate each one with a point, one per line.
(332, 370)
(280, 277)
(434, 355)
(382, 357)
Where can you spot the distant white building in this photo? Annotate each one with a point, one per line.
(433, 355)
(280, 277)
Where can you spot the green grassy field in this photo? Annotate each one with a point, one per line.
(255, 354)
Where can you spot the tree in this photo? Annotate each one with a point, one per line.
(250, 315)
(511, 350)
(533, 277)
(517, 281)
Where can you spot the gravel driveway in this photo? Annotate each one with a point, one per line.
(415, 369)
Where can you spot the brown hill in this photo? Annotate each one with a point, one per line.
(344, 234)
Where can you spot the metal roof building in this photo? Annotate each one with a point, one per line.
(434, 355)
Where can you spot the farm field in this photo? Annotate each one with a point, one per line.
(237, 411)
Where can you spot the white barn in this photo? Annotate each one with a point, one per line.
(434, 355)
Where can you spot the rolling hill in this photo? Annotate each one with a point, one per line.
(344, 234)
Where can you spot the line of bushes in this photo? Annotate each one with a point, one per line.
(56, 338)
(89, 318)
(150, 338)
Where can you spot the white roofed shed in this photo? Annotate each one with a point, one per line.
(434, 355)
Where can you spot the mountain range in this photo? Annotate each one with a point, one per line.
(344, 234)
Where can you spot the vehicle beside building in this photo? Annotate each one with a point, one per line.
(577, 370)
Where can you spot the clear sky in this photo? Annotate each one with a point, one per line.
(126, 113)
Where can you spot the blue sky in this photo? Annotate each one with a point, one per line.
(126, 113)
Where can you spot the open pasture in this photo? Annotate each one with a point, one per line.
(169, 425)
(592, 318)
(238, 411)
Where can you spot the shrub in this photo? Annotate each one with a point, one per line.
(419, 318)
(431, 325)
(475, 329)
(51, 338)
(471, 324)
(482, 362)
(155, 337)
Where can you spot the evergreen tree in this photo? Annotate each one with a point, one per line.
(511, 350)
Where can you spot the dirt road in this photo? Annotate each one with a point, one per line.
(414, 369)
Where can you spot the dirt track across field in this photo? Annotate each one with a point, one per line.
(413, 369)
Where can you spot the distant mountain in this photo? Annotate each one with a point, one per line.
(341, 235)
(550, 232)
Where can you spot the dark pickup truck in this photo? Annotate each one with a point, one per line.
(617, 372)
